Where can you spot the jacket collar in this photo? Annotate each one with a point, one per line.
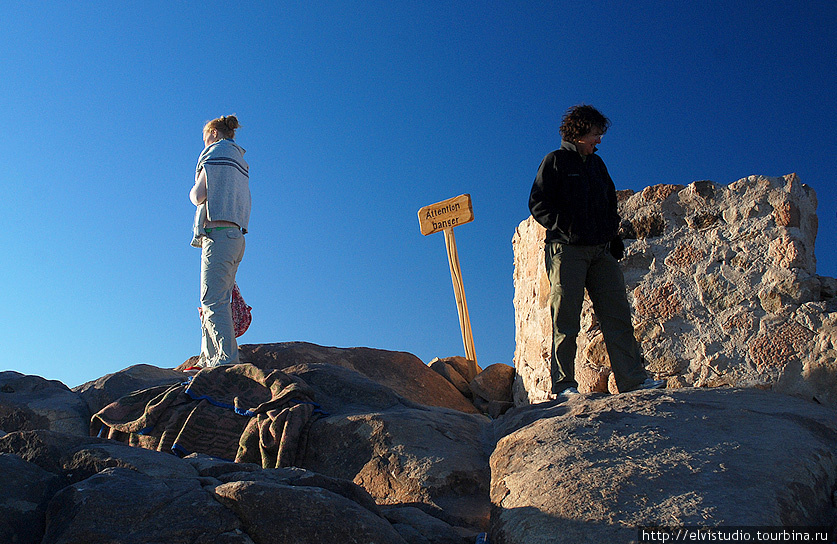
(569, 146)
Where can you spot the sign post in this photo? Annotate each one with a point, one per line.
(444, 216)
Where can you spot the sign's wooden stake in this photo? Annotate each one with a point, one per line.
(443, 216)
(461, 302)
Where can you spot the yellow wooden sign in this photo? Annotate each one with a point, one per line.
(443, 216)
(446, 214)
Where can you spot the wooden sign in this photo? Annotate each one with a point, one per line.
(446, 214)
(443, 216)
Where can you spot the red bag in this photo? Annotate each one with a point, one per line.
(240, 312)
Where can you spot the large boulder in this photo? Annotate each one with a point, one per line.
(723, 285)
(32, 402)
(402, 372)
(433, 458)
(597, 467)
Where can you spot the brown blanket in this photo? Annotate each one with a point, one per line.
(238, 412)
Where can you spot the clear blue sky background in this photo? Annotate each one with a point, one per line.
(355, 115)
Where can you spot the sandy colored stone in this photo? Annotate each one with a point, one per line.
(594, 468)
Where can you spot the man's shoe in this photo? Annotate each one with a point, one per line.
(652, 384)
(568, 392)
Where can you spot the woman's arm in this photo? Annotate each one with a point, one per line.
(198, 193)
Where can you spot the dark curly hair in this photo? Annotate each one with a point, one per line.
(580, 120)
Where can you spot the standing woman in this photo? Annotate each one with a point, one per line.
(222, 196)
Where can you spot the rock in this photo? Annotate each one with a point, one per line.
(464, 367)
(227, 471)
(449, 372)
(99, 393)
(308, 514)
(32, 402)
(122, 505)
(722, 282)
(26, 489)
(492, 388)
(417, 527)
(77, 458)
(339, 390)
(398, 450)
(595, 468)
(104, 491)
(533, 320)
(403, 372)
(433, 458)
(375, 445)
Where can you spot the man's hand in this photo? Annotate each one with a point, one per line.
(617, 248)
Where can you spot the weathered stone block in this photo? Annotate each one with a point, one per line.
(711, 272)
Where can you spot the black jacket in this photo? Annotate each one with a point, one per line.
(574, 199)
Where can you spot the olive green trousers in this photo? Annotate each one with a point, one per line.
(571, 270)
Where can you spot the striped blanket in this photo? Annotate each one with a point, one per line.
(227, 187)
(238, 412)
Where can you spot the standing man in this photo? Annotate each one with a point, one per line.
(574, 198)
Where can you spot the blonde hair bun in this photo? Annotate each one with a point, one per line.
(231, 121)
(225, 125)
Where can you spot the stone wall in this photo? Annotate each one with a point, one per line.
(723, 286)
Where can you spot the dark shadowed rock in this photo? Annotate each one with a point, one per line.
(111, 492)
(25, 490)
(227, 471)
(32, 402)
(99, 393)
(77, 458)
(308, 514)
(125, 506)
(595, 468)
(417, 527)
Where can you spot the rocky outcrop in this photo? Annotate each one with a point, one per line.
(722, 281)
(383, 468)
(412, 467)
(26, 489)
(597, 467)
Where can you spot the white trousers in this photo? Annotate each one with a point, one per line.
(221, 253)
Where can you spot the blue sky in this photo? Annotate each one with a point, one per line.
(355, 115)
